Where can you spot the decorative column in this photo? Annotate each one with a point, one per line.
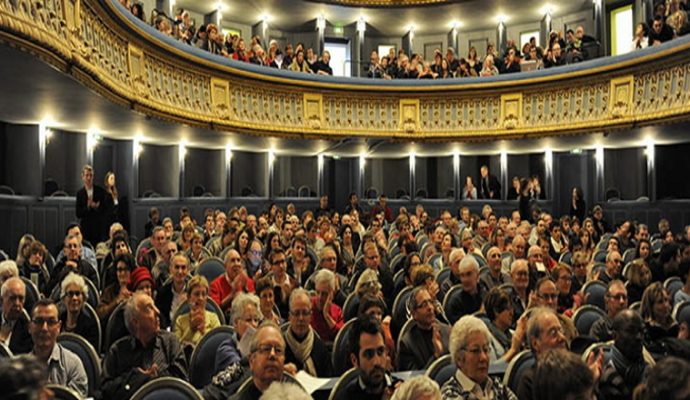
(600, 26)
(644, 10)
(502, 36)
(134, 184)
(361, 28)
(260, 29)
(44, 134)
(545, 27)
(320, 33)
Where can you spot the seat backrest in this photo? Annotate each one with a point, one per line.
(442, 275)
(202, 363)
(61, 392)
(452, 293)
(32, 295)
(628, 256)
(115, 328)
(516, 369)
(167, 388)
(350, 306)
(399, 311)
(441, 369)
(672, 285)
(340, 358)
(595, 292)
(91, 313)
(681, 312)
(5, 351)
(345, 379)
(88, 356)
(211, 268)
(585, 317)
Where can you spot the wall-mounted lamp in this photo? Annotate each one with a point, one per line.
(271, 157)
(361, 25)
(321, 22)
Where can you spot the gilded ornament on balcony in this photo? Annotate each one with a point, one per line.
(137, 71)
(313, 110)
(220, 98)
(621, 96)
(409, 115)
(511, 110)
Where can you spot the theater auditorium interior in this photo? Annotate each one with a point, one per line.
(345, 199)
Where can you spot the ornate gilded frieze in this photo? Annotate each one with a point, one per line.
(90, 40)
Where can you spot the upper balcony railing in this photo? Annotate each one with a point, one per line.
(109, 50)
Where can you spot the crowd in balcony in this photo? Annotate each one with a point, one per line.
(670, 20)
(587, 305)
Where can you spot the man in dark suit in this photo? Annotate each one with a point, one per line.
(14, 324)
(489, 187)
(91, 208)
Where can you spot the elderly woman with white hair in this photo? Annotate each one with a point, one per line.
(418, 388)
(73, 292)
(470, 341)
(8, 269)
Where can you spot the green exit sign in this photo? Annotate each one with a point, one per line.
(338, 30)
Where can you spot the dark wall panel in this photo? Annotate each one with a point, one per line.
(159, 168)
(671, 171)
(249, 170)
(20, 165)
(205, 168)
(65, 158)
(626, 170)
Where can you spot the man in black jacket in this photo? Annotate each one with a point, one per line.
(91, 208)
(14, 330)
(489, 187)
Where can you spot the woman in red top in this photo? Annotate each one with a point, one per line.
(240, 53)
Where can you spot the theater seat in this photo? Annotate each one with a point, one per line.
(399, 311)
(32, 295)
(115, 328)
(340, 357)
(211, 269)
(595, 293)
(62, 392)
(345, 379)
(672, 285)
(585, 317)
(516, 369)
(167, 388)
(441, 369)
(5, 351)
(202, 363)
(88, 356)
(681, 312)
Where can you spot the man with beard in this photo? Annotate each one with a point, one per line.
(368, 355)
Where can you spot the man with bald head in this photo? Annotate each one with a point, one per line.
(495, 276)
(470, 299)
(547, 296)
(456, 255)
(537, 270)
(616, 300)
(14, 331)
(519, 245)
(235, 280)
(613, 267)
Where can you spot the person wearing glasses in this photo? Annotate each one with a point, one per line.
(73, 262)
(616, 301)
(64, 367)
(13, 326)
(283, 284)
(266, 361)
(328, 318)
(147, 353)
(427, 338)
(470, 299)
(73, 292)
(547, 296)
(305, 349)
(367, 349)
(470, 350)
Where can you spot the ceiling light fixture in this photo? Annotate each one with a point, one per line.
(321, 22)
(361, 24)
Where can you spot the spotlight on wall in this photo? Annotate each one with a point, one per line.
(92, 138)
(182, 149)
(362, 160)
(361, 25)
(502, 18)
(649, 148)
(137, 148)
(321, 22)
(546, 9)
(228, 153)
(271, 157)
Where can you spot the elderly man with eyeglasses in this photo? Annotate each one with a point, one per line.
(616, 300)
(470, 347)
(305, 349)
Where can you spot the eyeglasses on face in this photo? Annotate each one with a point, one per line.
(267, 349)
(38, 321)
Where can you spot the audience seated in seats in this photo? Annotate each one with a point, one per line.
(264, 289)
(152, 255)
(372, 261)
(300, 266)
(190, 327)
(561, 375)
(427, 338)
(233, 281)
(197, 253)
(283, 284)
(627, 365)
(470, 350)
(231, 363)
(616, 301)
(146, 354)
(660, 327)
(519, 274)
(499, 309)
(639, 277)
(423, 276)
(120, 245)
(14, 331)
(327, 317)
(305, 348)
(8, 269)
(547, 296)
(73, 292)
(173, 293)
(140, 280)
(217, 245)
(473, 291)
(266, 361)
(568, 300)
(73, 262)
(253, 258)
(579, 263)
(117, 292)
(518, 247)
(32, 267)
(64, 367)
(328, 260)
(495, 276)
(368, 355)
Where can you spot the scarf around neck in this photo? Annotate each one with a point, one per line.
(302, 350)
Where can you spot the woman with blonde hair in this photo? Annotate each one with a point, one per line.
(192, 326)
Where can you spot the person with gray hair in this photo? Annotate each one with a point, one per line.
(418, 388)
(470, 350)
(72, 262)
(147, 353)
(470, 298)
(427, 338)
(283, 391)
(328, 317)
(14, 328)
(305, 349)
(74, 292)
(8, 269)
(454, 259)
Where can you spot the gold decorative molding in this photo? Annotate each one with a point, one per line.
(220, 98)
(386, 3)
(313, 110)
(409, 115)
(511, 110)
(92, 42)
(621, 96)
